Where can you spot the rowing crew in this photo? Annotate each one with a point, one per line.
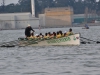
(48, 35)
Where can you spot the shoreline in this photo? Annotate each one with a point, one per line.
(42, 27)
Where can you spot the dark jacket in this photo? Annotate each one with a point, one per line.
(28, 31)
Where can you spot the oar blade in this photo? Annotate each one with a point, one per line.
(83, 42)
(98, 42)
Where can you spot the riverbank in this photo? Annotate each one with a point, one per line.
(73, 25)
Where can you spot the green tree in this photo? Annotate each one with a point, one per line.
(25, 5)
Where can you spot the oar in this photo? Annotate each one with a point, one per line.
(84, 42)
(28, 42)
(9, 44)
(91, 40)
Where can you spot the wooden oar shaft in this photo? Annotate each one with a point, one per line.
(9, 44)
(91, 40)
(88, 39)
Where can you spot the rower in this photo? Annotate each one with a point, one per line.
(28, 31)
(70, 32)
(58, 35)
(86, 26)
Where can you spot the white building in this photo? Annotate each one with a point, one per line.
(19, 20)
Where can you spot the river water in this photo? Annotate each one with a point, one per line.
(51, 60)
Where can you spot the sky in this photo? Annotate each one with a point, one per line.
(97, 0)
(9, 1)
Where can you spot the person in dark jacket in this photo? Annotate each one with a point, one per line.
(28, 31)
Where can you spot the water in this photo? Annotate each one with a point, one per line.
(51, 60)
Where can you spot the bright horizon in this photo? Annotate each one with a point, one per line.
(9, 2)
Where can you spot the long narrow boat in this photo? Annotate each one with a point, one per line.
(69, 40)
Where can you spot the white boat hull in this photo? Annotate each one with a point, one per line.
(70, 40)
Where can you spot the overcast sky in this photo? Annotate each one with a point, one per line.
(9, 1)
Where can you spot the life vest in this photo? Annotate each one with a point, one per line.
(69, 33)
(46, 37)
(31, 37)
(58, 36)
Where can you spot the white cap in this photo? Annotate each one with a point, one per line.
(29, 25)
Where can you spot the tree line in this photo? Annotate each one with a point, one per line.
(77, 5)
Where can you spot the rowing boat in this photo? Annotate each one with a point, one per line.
(69, 40)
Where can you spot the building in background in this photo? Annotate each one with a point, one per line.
(78, 18)
(19, 20)
(56, 17)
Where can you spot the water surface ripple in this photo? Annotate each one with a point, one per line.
(51, 60)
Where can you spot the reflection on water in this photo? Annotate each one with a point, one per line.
(51, 60)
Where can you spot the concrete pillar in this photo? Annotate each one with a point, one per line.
(33, 7)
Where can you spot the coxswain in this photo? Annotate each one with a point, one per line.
(28, 30)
